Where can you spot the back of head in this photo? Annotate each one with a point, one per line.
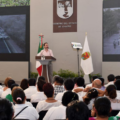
(48, 90)
(24, 84)
(54, 77)
(102, 106)
(117, 77)
(69, 84)
(6, 81)
(102, 80)
(77, 110)
(41, 78)
(91, 94)
(59, 80)
(80, 82)
(111, 77)
(117, 84)
(68, 97)
(10, 82)
(14, 85)
(97, 83)
(18, 95)
(32, 82)
(6, 110)
(94, 77)
(75, 80)
(40, 84)
(111, 91)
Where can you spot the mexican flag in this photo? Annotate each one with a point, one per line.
(86, 59)
(38, 64)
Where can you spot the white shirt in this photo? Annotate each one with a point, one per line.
(56, 113)
(89, 85)
(38, 96)
(90, 105)
(43, 105)
(45, 53)
(118, 94)
(1, 90)
(59, 96)
(6, 92)
(29, 113)
(110, 83)
(30, 91)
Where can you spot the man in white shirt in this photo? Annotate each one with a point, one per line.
(47, 52)
(111, 79)
(31, 89)
(68, 85)
(8, 90)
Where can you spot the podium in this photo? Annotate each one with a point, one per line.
(45, 63)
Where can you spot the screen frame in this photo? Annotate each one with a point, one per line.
(19, 10)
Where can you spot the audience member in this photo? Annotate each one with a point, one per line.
(19, 99)
(93, 78)
(39, 95)
(58, 86)
(41, 78)
(59, 112)
(111, 79)
(9, 96)
(24, 84)
(6, 83)
(97, 84)
(31, 89)
(90, 96)
(117, 77)
(6, 110)
(102, 80)
(68, 85)
(50, 101)
(112, 96)
(77, 110)
(8, 90)
(117, 84)
(75, 81)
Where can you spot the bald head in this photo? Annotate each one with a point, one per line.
(97, 83)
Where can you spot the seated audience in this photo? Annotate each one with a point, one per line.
(58, 86)
(97, 83)
(19, 99)
(50, 101)
(117, 77)
(111, 94)
(102, 109)
(9, 96)
(68, 85)
(41, 78)
(117, 84)
(90, 96)
(31, 89)
(59, 112)
(24, 84)
(8, 90)
(77, 110)
(102, 80)
(6, 83)
(54, 77)
(93, 78)
(6, 110)
(111, 79)
(39, 95)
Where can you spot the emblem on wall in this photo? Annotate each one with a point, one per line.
(64, 8)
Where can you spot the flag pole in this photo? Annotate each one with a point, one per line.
(78, 62)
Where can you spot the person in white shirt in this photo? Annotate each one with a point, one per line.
(47, 52)
(50, 101)
(93, 78)
(68, 85)
(8, 90)
(39, 95)
(111, 80)
(117, 84)
(19, 99)
(60, 111)
(31, 89)
(6, 110)
(80, 82)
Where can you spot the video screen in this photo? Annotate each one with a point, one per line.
(12, 33)
(111, 30)
(15, 33)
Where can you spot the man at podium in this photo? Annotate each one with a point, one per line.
(47, 52)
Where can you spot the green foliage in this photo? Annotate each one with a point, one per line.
(67, 73)
(8, 3)
(33, 75)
